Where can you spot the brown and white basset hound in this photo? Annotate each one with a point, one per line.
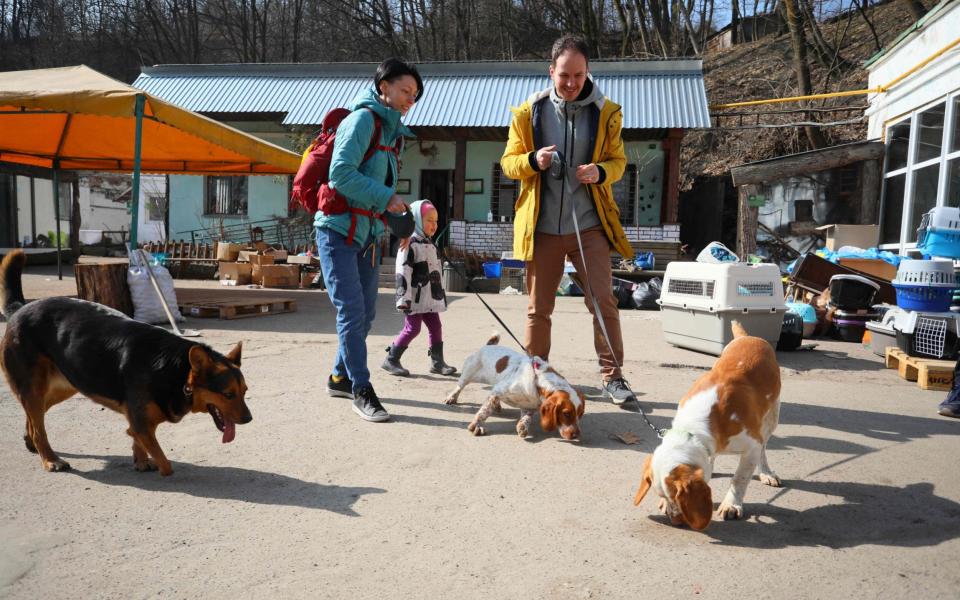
(733, 409)
(524, 382)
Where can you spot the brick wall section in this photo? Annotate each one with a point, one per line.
(494, 238)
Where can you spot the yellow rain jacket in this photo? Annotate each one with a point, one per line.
(607, 153)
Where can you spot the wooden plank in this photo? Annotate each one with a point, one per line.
(935, 377)
(929, 374)
(777, 169)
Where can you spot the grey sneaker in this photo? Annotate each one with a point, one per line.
(618, 391)
(344, 389)
(367, 405)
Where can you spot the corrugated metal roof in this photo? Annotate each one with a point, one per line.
(654, 94)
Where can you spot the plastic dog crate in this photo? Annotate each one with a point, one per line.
(852, 292)
(930, 335)
(699, 301)
(939, 232)
(925, 285)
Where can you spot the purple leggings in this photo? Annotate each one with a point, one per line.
(411, 328)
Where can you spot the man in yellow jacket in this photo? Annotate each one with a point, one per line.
(565, 149)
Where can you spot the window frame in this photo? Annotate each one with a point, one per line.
(496, 186)
(209, 204)
(951, 115)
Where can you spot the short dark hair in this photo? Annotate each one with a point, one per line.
(394, 68)
(572, 43)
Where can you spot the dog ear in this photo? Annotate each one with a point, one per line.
(234, 355)
(583, 404)
(548, 413)
(645, 482)
(199, 359)
(694, 499)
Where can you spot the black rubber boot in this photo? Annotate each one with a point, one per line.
(436, 358)
(391, 364)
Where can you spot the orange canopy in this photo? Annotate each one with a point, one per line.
(74, 118)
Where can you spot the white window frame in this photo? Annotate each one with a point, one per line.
(950, 114)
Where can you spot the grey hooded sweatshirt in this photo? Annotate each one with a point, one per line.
(567, 125)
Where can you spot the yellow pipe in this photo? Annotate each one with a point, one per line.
(877, 90)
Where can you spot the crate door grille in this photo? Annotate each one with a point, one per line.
(691, 287)
(930, 336)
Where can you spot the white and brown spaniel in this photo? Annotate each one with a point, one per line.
(524, 382)
(733, 409)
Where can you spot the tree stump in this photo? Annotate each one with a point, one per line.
(104, 284)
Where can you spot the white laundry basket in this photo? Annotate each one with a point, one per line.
(699, 302)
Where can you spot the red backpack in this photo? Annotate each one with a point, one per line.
(311, 185)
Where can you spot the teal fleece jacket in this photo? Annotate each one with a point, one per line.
(364, 185)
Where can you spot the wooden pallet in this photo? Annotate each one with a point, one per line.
(228, 304)
(929, 374)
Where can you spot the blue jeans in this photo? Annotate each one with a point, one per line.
(350, 273)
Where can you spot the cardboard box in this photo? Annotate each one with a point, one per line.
(872, 266)
(244, 255)
(228, 252)
(303, 260)
(278, 255)
(306, 278)
(232, 273)
(861, 236)
(279, 276)
(261, 259)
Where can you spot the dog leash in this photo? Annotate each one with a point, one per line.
(596, 311)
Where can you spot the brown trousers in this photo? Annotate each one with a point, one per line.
(544, 273)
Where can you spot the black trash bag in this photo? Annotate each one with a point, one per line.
(646, 294)
(623, 292)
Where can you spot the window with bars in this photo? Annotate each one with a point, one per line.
(503, 196)
(625, 194)
(225, 196)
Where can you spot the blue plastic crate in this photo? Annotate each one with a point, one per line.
(491, 270)
(923, 297)
(940, 242)
(513, 263)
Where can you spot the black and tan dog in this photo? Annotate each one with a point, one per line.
(56, 347)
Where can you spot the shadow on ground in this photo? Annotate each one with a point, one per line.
(228, 483)
(858, 514)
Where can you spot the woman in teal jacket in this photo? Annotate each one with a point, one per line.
(347, 242)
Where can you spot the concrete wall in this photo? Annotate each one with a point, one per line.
(266, 198)
(932, 83)
(496, 238)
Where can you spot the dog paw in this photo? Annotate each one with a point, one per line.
(144, 466)
(475, 429)
(522, 431)
(730, 512)
(166, 471)
(57, 465)
(450, 399)
(770, 479)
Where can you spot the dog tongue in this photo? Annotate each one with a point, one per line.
(229, 431)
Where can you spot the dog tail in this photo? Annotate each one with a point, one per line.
(494, 339)
(11, 290)
(738, 330)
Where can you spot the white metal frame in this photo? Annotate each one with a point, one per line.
(951, 113)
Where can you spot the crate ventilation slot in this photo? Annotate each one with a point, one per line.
(760, 288)
(691, 287)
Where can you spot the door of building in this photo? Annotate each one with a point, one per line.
(436, 185)
(8, 212)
